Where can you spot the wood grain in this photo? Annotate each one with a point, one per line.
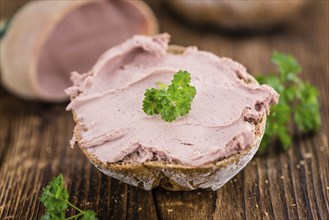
(34, 143)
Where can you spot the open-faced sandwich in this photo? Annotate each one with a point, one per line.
(217, 134)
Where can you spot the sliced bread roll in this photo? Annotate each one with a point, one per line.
(237, 15)
(203, 149)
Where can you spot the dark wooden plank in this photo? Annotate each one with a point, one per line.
(184, 205)
(8, 8)
(253, 204)
(230, 202)
(5, 138)
(141, 204)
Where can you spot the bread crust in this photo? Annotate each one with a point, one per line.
(177, 177)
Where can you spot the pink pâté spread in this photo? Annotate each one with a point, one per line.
(107, 102)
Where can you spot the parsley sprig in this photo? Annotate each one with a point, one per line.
(298, 102)
(56, 200)
(170, 101)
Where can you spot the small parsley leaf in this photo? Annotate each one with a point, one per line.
(287, 65)
(298, 102)
(170, 101)
(89, 215)
(55, 198)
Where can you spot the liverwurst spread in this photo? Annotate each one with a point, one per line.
(111, 125)
(97, 25)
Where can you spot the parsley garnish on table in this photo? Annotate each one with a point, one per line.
(55, 198)
(170, 101)
(298, 103)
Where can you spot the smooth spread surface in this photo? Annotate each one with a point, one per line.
(82, 36)
(108, 105)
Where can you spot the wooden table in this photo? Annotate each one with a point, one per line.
(34, 144)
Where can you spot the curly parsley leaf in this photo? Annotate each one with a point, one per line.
(298, 102)
(55, 198)
(287, 65)
(170, 101)
(307, 114)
